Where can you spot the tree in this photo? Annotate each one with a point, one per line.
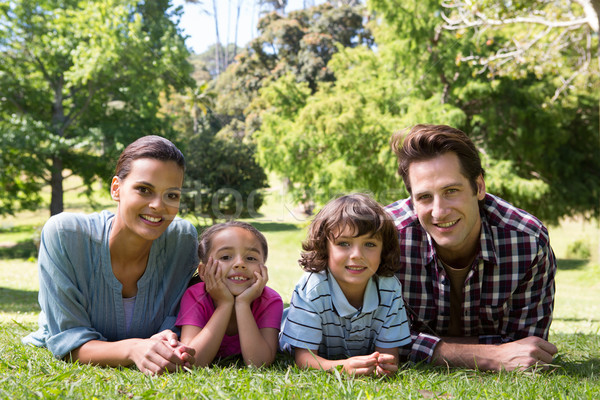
(78, 80)
(335, 138)
(222, 179)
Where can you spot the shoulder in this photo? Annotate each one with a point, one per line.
(503, 216)
(182, 228)
(196, 292)
(389, 288)
(269, 294)
(402, 213)
(312, 288)
(83, 225)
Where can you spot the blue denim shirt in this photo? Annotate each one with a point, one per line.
(81, 298)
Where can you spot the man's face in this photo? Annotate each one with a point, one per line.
(446, 206)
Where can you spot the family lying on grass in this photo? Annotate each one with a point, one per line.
(451, 275)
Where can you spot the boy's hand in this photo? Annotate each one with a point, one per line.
(255, 290)
(386, 364)
(361, 365)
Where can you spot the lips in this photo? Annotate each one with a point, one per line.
(355, 268)
(446, 224)
(238, 278)
(150, 218)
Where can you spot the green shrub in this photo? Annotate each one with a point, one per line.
(579, 249)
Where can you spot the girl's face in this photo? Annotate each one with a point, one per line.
(148, 197)
(240, 255)
(353, 260)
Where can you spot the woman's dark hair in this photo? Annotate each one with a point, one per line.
(424, 142)
(366, 217)
(205, 242)
(151, 146)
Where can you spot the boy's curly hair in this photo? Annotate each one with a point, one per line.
(366, 217)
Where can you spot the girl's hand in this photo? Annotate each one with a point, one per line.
(214, 281)
(253, 292)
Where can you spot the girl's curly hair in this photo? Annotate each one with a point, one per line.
(366, 217)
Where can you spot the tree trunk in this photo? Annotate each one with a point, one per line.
(218, 45)
(237, 24)
(56, 183)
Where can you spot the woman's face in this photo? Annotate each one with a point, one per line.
(148, 197)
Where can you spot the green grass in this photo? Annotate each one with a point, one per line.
(28, 372)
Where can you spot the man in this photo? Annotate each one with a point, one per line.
(477, 272)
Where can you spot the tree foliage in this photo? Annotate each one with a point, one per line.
(78, 81)
(222, 179)
(335, 137)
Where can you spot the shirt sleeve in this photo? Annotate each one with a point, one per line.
(196, 307)
(532, 303)
(302, 326)
(268, 312)
(395, 331)
(63, 302)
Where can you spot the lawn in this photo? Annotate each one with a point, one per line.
(27, 372)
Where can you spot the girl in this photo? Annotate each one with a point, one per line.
(347, 309)
(110, 284)
(232, 311)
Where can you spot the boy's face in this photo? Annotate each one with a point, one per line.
(239, 254)
(353, 261)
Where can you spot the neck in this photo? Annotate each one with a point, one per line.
(127, 247)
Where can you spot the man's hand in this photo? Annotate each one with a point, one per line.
(524, 353)
(520, 354)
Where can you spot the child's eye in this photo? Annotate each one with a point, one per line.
(371, 244)
(250, 258)
(343, 244)
(225, 257)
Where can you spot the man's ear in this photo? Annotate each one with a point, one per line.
(480, 188)
(115, 186)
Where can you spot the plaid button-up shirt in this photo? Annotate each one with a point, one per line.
(508, 294)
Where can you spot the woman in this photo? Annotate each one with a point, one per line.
(110, 282)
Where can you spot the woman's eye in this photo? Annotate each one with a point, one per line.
(173, 196)
(143, 190)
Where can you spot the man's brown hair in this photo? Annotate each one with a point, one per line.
(424, 142)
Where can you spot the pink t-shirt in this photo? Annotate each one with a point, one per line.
(197, 307)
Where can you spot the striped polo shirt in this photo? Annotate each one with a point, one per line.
(321, 319)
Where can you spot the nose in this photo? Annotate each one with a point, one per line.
(238, 262)
(355, 252)
(439, 209)
(157, 202)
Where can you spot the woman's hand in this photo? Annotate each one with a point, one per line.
(255, 290)
(161, 353)
(214, 281)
